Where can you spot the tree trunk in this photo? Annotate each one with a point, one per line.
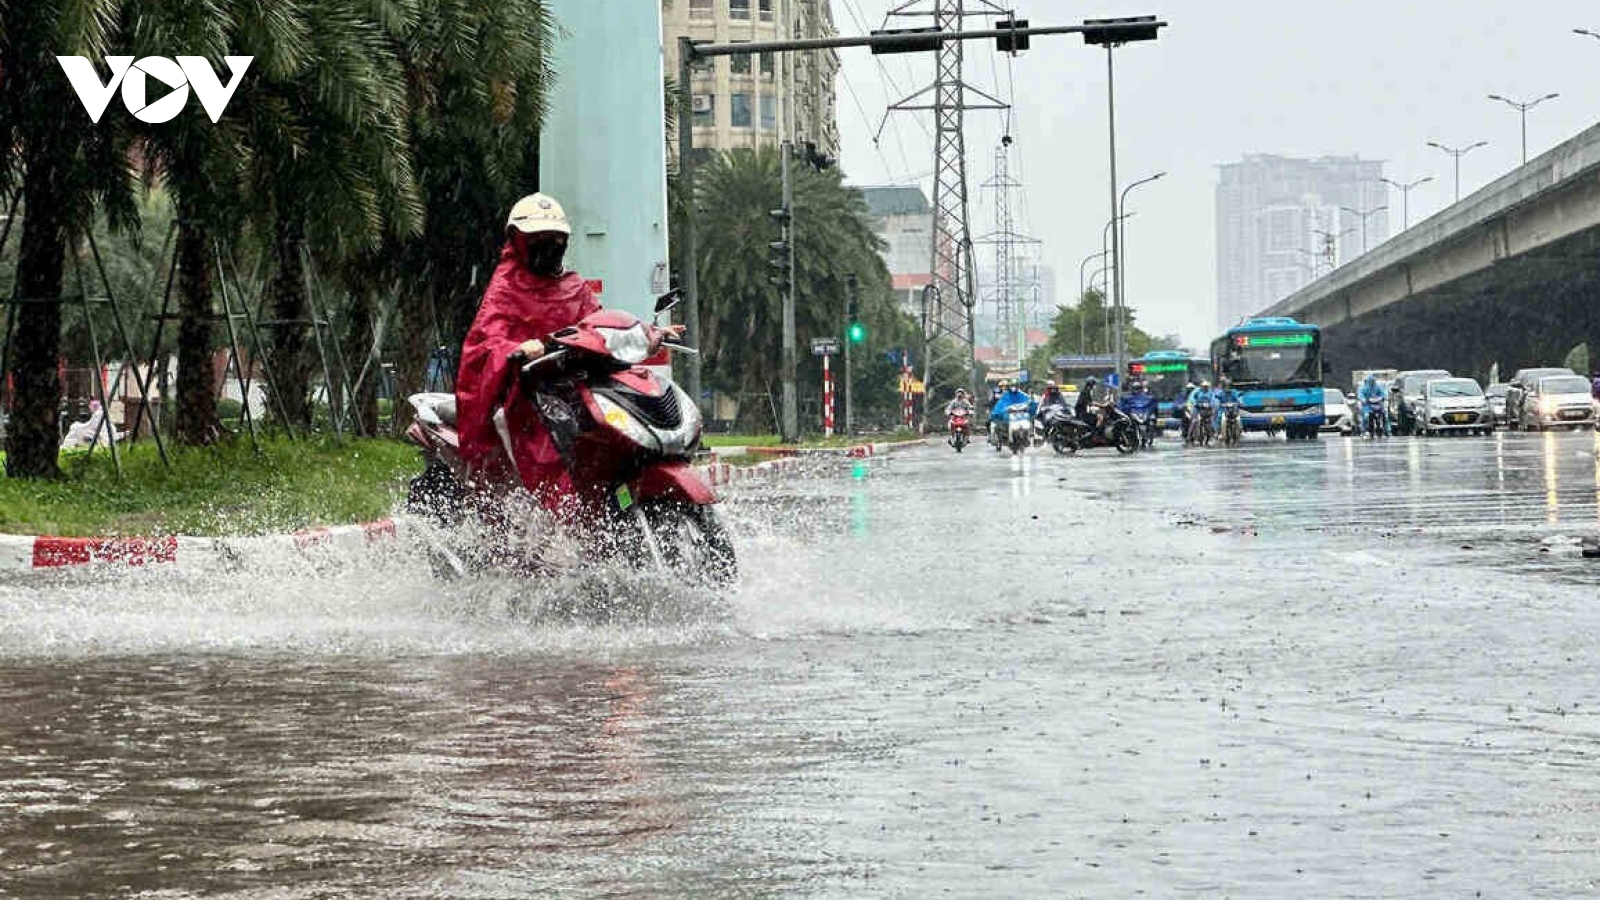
(33, 438)
(197, 424)
(291, 363)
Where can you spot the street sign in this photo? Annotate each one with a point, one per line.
(824, 346)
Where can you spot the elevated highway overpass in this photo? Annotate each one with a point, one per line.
(1508, 275)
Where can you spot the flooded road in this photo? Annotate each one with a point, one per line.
(1339, 669)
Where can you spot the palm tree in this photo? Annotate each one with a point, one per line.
(63, 164)
(477, 75)
(330, 164)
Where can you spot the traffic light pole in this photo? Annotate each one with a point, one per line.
(790, 426)
(850, 285)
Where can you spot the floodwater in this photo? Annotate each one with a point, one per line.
(1341, 669)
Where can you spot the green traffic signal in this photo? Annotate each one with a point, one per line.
(857, 332)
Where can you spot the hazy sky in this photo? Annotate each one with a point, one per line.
(1229, 77)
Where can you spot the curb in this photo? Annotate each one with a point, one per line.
(32, 553)
(788, 460)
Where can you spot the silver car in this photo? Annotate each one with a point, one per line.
(1454, 404)
(1558, 401)
(1497, 401)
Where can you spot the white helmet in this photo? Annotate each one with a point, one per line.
(538, 212)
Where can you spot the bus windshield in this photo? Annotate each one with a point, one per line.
(1273, 359)
(1168, 377)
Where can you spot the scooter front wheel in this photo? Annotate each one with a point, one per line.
(688, 539)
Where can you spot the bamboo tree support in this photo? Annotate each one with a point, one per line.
(161, 316)
(99, 371)
(233, 351)
(374, 360)
(139, 381)
(337, 411)
(250, 323)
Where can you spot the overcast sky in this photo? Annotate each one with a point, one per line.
(1229, 77)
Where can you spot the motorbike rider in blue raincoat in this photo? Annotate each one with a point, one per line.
(1140, 400)
(1223, 394)
(1373, 389)
(1010, 395)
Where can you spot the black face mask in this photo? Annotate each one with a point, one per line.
(544, 258)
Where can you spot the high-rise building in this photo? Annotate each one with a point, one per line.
(756, 100)
(903, 219)
(1283, 222)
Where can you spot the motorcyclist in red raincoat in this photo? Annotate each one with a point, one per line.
(530, 295)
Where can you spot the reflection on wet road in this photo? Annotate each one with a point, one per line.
(1340, 669)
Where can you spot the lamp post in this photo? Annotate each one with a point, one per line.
(1121, 278)
(1405, 197)
(1523, 107)
(1144, 29)
(1458, 152)
(1364, 216)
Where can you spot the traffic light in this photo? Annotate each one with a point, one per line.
(854, 331)
(857, 332)
(778, 252)
(1011, 43)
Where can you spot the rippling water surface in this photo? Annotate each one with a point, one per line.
(1340, 670)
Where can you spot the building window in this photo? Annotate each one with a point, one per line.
(739, 9)
(768, 63)
(705, 106)
(766, 10)
(740, 106)
(739, 63)
(700, 9)
(769, 112)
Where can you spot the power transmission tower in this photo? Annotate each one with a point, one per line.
(950, 312)
(1011, 294)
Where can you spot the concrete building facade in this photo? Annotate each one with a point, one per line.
(756, 101)
(1284, 222)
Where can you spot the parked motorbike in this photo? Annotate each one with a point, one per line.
(624, 432)
(960, 434)
(1112, 428)
(1232, 427)
(1201, 427)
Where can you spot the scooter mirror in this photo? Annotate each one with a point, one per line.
(668, 300)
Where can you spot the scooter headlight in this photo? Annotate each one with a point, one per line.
(629, 345)
(625, 422)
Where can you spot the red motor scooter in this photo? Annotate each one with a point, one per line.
(625, 434)
(960, 433)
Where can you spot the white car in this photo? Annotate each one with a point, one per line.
(1454, 404)
(1336, 412)
(1558, 401)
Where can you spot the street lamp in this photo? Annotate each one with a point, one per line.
(1364, 216)
(1523, 107)
(1595, 35)
(1144, 28)
(1122, 268)
(1458, 152)
(1405, 197)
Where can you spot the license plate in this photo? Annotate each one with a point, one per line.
(1278, 420)
(624, 498)
(1459, 417)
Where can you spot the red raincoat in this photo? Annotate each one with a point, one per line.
(517, 306)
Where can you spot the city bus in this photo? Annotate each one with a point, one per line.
(1276, 366)
(1167, 372)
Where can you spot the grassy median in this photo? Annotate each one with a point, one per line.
(224, 490)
